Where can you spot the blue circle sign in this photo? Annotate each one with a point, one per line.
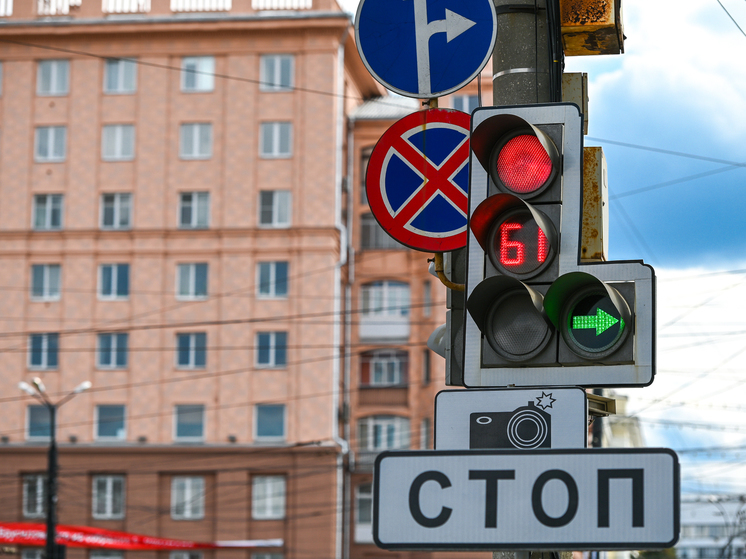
(417, 181)
(425, 48)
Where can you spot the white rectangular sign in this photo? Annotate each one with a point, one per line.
(527, 499)
(511, 419)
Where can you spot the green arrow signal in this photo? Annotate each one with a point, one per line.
(602, 321)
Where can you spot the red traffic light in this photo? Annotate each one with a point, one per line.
(522, 164)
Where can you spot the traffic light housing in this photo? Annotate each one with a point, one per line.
(535, 315)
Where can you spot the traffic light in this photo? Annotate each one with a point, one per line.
(536, 315)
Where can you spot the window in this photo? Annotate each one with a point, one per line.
(106, 554)
(374, 237)
(50, 144)
(110, 422)
(34, 496)
(271, 349)
(267, 497)
(185, 555)
(53, 77)
(190, 422)
(274, 208)
(187, 498)
(384, 368)
(120, 75)
(196, 140)
(197, 73)
(45, 282)
(114, 281)
(108, 497)
(364, 513)
(39, 426)
(276, 72)
(425, 433)
(191, 350)
(43, 351)
(267, 556)
(277, 138)
(47, 211)
(426, 371)
(118, 142)
(32, 553)
(465, 103)
(427, 298)
(385, 298)
(191, 281)
(194, 210)
(383, 432)
(272, 279)
(270, 422)
(112, 351)
(364, 160)
(116, 211)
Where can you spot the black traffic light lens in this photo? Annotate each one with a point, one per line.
(594, 327)
(523, 165)
(517, 246)
(514, 328)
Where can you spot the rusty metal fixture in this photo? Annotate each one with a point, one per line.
(438, 259)
(591, 27)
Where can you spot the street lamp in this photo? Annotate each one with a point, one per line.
(39, 391)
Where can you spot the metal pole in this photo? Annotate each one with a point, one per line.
(52, 484)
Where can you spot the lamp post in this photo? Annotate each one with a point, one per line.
(39, 391)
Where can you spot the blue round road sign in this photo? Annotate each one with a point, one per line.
(425, 48)
(418, 180)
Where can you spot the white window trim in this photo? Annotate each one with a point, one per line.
(272, 350)
(363, 530)
(109, 497)
(192, 352)
(188, 498)
(200, 72)
(277, 198)
(275, 127)
(276, 60)
(40, 480)
(45, 350)
(115, 273)
(98, 437)
(121, 63)
(49, 130)
(265, 439)
(114, 348)
(29, 437)
(387, 356)
(266, 512)
(391, 303)
(55, 65)
(189, 439)
(197, 132)
(119, 203)
(401, 427)
(191, 296)
(197, 202)
(48, 213)
(118, 142)
(272, 280)
(46, 296)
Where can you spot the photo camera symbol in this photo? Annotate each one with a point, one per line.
(525, 427)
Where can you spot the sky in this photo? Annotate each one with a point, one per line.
(680, 87)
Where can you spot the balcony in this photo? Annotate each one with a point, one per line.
(281, 4)
(200, 5)
(126, 6)
(51, 7)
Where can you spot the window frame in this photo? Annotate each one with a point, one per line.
(121, 202)
(280, 199)
(272, 348)
(191, 291)
(189, 438)
(266, 85)
(114, 288)
(264, 505)
(45, 351)
(275, 131)
(50, 201)
(193, 350)
(116, 339)
(204, 71)
(198, 205)
(272, 283)
(364, 530)
(56, 80)
(120, 65)
(198, 129)
(48, 292)
(393, 302)
(40, 480)
(385, 357)
(119, 146)
(29, 436)
(373, 236)
(400, 427)
(192, 495)
(109, 498)
(52, 143)
(270, 438)
(96, 433)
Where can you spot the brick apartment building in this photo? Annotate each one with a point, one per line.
(182, 223)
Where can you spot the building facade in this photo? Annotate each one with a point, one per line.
(182, 223)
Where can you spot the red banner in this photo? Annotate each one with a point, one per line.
(23, 533)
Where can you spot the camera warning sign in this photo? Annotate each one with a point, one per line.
(511, 419)
(577, 499)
